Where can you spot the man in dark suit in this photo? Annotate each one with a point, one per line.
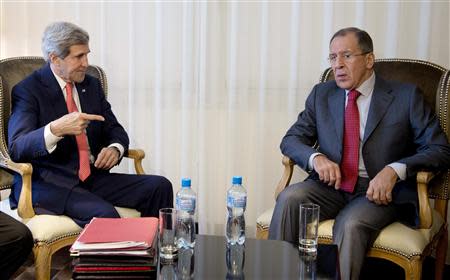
(16, 243)
(62, 123)
(373, 136)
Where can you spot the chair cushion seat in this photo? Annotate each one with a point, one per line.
(263, 221)
(397, 237)
(48, 228)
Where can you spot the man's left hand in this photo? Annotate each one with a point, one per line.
(380, 187)
(107, 158)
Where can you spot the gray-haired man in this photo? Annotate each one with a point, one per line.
(62, 123)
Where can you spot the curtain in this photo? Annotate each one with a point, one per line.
(208, 89)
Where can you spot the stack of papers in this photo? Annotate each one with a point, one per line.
(116, 248)
(117, 236)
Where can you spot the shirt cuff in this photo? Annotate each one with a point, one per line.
(400, 169)
(311, 160)
(50, 139)
(119, 147)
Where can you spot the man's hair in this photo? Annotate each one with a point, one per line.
(364, 41)
(58, 37)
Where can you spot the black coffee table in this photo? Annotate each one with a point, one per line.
(258, 259)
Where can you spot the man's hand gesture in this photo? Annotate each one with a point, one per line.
(73, 123)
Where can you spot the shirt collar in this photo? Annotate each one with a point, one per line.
(366, 88)
(61, 82)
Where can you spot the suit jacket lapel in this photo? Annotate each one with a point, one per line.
(336, 103)
(381, 99)
(83, 95)
(54, 92)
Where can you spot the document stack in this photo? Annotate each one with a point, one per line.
(116, 248)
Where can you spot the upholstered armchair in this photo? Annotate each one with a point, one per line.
(398, 243)
(50, 232)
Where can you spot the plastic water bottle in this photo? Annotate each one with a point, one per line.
(185, 204)
(236, 203)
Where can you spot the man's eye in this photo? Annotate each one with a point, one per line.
(347, 56)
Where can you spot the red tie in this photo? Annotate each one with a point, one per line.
(349, 163)
(83, 153)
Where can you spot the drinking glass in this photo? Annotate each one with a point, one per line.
(308, 224)
(167, 238)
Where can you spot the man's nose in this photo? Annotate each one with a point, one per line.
(84, 61)
(339, 61)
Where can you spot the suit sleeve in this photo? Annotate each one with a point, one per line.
(301, 137)
(25, 137)
(433, 150)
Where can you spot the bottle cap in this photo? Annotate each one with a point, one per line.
(185, 182)
(237, 180)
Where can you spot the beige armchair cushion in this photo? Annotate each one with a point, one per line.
(396, 237)
(127, 212)
(44, 229)
(263, 221)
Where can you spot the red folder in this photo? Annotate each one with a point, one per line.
(117, 234)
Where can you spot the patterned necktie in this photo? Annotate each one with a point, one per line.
(83, 153)
(349, 163)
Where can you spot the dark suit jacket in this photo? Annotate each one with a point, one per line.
(400, 128)
(38, 100)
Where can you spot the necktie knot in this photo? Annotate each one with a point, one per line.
(69, 87)
(353, 95)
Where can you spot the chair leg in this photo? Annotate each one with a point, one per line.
(441, 254)
(42, 262)
(414, 270)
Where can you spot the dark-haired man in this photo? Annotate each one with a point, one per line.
(373, 135)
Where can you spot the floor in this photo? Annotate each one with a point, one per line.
(60, 270)
(373, 269)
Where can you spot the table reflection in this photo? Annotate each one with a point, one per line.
(181, 268)
(308, 266)
(186, 264)
(212, 258)
(235, 258)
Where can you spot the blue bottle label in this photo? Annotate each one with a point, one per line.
(185, 204)
(237, 202)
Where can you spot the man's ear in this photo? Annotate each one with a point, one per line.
(54, 59)
(370, 60)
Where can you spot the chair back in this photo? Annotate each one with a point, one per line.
(12, 71)
(434, 81)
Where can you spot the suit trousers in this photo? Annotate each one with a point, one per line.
(97, 196)
(358, 221)
(16, 243)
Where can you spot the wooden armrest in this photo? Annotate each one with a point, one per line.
(25, 207)
(287, 175)
(137, 155)
(425, 215)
